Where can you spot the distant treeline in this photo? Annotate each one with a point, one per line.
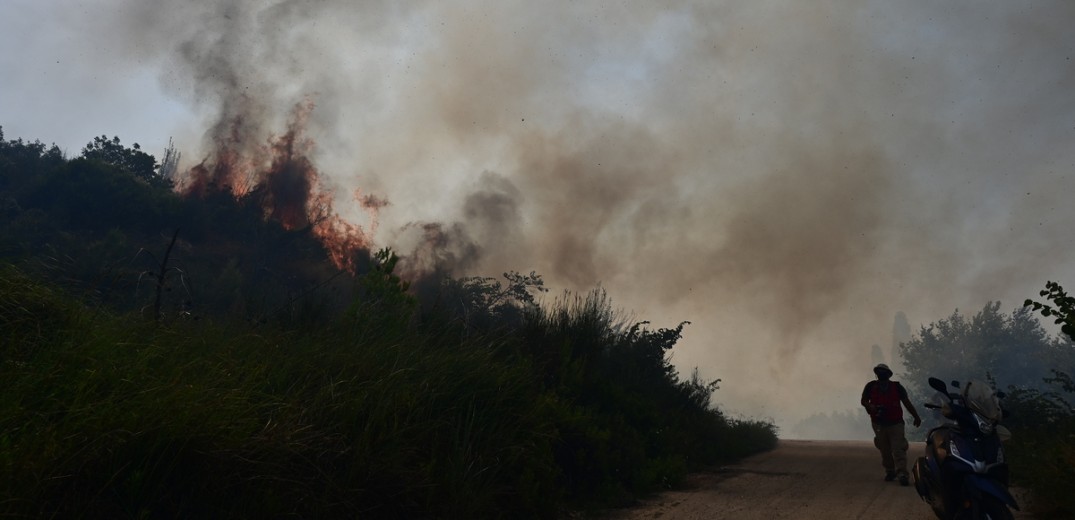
(230, 370)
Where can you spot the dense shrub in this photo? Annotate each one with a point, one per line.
(105, 416)
(259, 381)
(1042, 448)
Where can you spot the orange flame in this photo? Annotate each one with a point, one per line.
(280, 177)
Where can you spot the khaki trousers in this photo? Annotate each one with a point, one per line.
(892, 442)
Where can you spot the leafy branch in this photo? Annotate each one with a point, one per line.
(1064, 312)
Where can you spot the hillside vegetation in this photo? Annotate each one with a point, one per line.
(171, 357)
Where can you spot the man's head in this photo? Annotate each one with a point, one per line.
(882, 371)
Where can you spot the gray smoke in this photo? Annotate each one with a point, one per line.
(785, 175)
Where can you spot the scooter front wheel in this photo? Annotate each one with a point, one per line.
(989, 508)
(994, 509)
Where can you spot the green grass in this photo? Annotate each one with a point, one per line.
(104, 415)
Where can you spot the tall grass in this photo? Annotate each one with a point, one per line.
(628, 425)
(106, 416)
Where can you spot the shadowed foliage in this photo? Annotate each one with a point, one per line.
(269, 384)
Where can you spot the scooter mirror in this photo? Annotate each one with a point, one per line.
(955, 384)
(938, 385)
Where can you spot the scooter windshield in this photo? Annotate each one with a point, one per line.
(981, 398)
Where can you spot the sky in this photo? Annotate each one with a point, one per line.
(786, 176)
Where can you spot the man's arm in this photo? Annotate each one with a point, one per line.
(910, 407)
(870, 408)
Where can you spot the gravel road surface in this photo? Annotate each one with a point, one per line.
(799, 479)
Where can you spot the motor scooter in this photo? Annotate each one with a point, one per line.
(963, 474)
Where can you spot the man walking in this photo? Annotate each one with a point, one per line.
(882, 399)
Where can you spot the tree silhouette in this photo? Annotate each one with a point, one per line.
(1013, 349)
(901, 332)
(131, 160)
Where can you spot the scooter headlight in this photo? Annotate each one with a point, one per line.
(984, 425)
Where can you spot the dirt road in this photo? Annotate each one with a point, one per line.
(799, 479)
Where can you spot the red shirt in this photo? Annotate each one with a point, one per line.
(886, 397)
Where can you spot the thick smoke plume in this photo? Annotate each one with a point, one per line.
(787, 176)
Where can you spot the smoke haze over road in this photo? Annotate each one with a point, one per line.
(787, 176)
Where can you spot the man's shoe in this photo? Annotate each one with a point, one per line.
(904, 481)
(890, 476)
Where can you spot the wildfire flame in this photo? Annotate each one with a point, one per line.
(280, 177)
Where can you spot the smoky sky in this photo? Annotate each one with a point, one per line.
(785, 175)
